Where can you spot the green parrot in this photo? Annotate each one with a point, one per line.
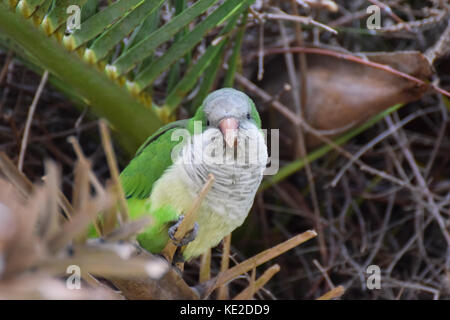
(224, 138)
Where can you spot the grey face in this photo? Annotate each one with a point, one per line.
(227, 103)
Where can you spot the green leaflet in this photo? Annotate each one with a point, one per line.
(41, 11)
(106, 42)
(148, 26)
(144, 48)
(89, 9)
(235, 57)
(113, 103)
(177, 50)
(207, 82)
(174, 74)
(185, 85)
(27, 7)
(57, 15)
(190, 78)
(98, 23)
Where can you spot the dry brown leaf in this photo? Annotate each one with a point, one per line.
(341, 94)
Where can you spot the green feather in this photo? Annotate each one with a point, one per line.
(138, 178)
(150, 162)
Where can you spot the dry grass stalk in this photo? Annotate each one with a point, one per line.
(114, 170)
(31, 110)
(81, 192)
(33, 238)
(21, 182)
(222, 292)
(257, 260)
(205, 267)
(81, 157)
(333, 293)
(253, 287)
(128, 229)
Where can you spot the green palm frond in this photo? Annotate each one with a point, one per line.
(130, 47)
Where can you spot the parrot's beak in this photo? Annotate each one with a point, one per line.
(229, 129)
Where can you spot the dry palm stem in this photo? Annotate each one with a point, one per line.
(80, 155)
(251, 286)
(127, 230)
(189, 219)
(248, 292)
(80, 196)
(52, 182)
(92, 177)
(258, 259)
(205, 267)
(222, 293)
(112, 163)
(333, 293)
(21, 182)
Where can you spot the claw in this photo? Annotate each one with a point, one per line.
(188, 237)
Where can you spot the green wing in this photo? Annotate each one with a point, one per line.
(138, 178)
(150, 162)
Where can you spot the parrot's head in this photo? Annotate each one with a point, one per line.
(229, 111)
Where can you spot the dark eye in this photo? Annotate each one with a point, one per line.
(248, 116)
(207, 122)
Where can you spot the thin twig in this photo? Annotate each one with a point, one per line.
(21, 182)
(31, 110)
(112, 163)
(387, 9)
(392, 129)
(324, 273)
(8, 60)
(259, 259)
(304, 20)
(402, 141)
(259, 283)
(333, 293)
(222, 292)
(252, 288)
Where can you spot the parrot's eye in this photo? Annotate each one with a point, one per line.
(207, 122)
(248, 116)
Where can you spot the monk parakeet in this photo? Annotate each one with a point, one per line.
(164, 178)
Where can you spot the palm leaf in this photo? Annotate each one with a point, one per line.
(120, 40)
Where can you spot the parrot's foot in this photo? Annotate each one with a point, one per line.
(188, 237)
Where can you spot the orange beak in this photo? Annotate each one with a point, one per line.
(229, 127)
